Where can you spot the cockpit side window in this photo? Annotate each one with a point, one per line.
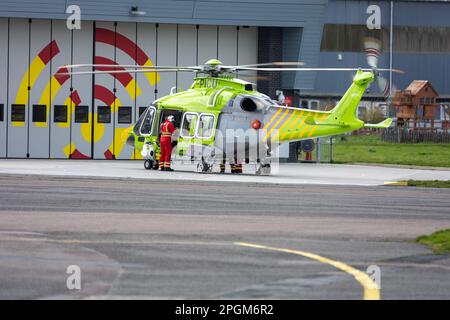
(145, 123)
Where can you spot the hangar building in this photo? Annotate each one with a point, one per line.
(46, 115)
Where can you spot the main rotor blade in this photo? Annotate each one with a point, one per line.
(277, 63)
(253, 78)
(127, 66)
(122, 71)
(316, 69)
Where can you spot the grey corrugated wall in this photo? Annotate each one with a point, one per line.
(307, 14)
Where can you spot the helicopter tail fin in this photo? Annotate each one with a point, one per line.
(345, 111)
(382, 125)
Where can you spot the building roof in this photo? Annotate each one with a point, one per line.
(417, 85)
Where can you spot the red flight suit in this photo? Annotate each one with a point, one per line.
(167, 128)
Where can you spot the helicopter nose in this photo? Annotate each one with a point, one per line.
(130, 140)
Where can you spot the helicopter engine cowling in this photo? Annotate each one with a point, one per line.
(250, 103)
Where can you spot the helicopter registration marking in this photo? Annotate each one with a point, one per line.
(208, 83)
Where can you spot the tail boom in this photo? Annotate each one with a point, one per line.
(290, 124)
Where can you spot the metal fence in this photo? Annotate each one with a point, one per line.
(404, 135)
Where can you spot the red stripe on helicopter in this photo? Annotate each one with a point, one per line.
(115, 39)
(104, 95)
(123, 78)
(49, 52)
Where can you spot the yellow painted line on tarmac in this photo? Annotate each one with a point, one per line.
(371, 289)
(396, 183)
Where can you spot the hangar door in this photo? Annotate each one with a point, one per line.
(45, 113)
(3, 85)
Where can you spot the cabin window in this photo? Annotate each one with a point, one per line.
(124, 115)
(189, 124)
(205, 126)
(60, 113)
(104, 114)
(81, 114)
(2, 113)
(18, 113)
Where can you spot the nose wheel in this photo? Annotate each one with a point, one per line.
(151, 164)
(204, 167)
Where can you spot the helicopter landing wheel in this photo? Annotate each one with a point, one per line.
(155, 165)
(258, 169)
(203, 167)
(148, 164)
(265, 169)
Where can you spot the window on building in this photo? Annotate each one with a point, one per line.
(81, 114)
(124, 115)
(189, 124)
(351, 38)
(18, 113)
(39, 113)
(60, 113)
(104, 114)
(304, 104)
(314, 105)
(2, 112)
(206, 126)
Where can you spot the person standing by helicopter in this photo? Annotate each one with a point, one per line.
(167, 129)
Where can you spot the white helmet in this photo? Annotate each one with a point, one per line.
(171, 118)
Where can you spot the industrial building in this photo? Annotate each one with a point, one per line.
(44, 114)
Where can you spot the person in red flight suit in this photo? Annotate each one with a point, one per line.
(167, 128)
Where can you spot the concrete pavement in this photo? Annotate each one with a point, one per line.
(176, 239)
(283, 173)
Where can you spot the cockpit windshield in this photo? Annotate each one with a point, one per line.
(145, 122)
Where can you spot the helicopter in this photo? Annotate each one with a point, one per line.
(222, 118)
